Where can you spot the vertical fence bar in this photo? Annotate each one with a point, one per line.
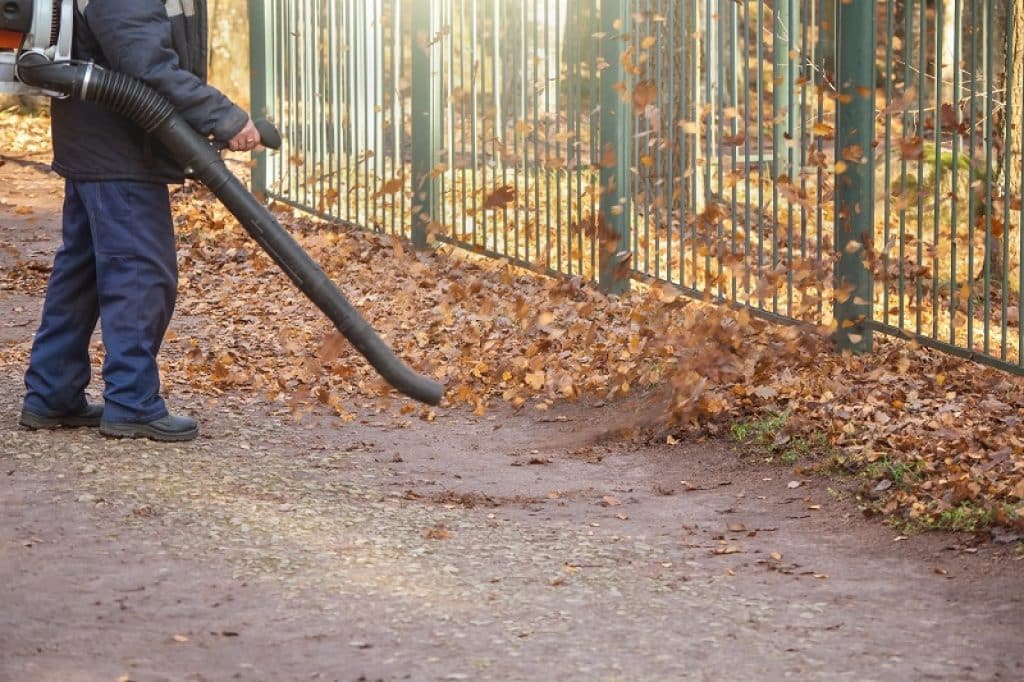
(922, 86)
(691, 114)
(426, 118)
(479, 237)
(668, 125)
(447, 71)
(854, 186)
(732, 22)
(459, 98)
(641, 184)
(972, 203)
(761, 212)
(614, 146)
(712, 160)
(333, 99)
(824, 63)
(747, 149)
(956, 292)
(887, 144)
(908, 126)
(1005, 172)
(534, 202)
(805, 77)
(258, 84)
(937, 10)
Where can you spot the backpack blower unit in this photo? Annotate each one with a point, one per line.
(35, 59)
(35, 25)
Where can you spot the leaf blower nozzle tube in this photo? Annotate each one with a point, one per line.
(143, 105)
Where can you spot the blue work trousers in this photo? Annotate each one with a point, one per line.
(117, 264)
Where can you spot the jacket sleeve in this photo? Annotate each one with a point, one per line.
(135, 37)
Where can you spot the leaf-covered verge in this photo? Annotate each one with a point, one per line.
(939, 441)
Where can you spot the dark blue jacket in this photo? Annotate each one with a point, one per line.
(160, 42)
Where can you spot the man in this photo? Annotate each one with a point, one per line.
(118, 260)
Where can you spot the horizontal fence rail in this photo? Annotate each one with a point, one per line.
(854, 165)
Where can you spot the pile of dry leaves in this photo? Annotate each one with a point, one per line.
(941, 438)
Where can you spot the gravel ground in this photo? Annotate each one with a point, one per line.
(386, 550)
(516, 546)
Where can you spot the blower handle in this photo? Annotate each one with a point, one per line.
(270, 136)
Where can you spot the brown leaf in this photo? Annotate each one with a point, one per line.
(912, 148)
(390, 187)
(500, 197)
(437, 532)
(331, 347)
(645, 92)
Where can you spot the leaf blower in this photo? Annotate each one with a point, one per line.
(35, 59)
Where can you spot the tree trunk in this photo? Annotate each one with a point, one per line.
(1015, 180)
(1008, 70)
(229, 49)
(1016, 89)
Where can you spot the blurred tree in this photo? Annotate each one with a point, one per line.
(1014, 43)
(229, 48)
(1016, 89)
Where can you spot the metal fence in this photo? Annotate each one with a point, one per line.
(849, 164)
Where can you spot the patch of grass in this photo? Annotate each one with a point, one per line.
(767, 432)
(839, 495)
(904, 475)
(762, 431)
(964, 518)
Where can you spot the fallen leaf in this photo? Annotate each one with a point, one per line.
(728, 549)
(437, 532)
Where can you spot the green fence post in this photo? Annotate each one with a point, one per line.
(786, 129)
(258, 85)
(616, 119)
(426, 117)
(826, 42)
(855, 184)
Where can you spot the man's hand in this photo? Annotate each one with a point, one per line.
(246, 140)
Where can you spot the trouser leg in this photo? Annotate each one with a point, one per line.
(137, 280)
(59, 369)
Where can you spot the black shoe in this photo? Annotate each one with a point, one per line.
(171, 428)
(89, 416)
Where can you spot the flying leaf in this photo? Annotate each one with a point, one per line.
(500, 197)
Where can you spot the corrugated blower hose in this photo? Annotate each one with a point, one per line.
(143, 105)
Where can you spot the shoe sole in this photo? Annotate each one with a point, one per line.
(37, 422)
(146, 431)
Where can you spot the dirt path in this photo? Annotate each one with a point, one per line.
(512, 546)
